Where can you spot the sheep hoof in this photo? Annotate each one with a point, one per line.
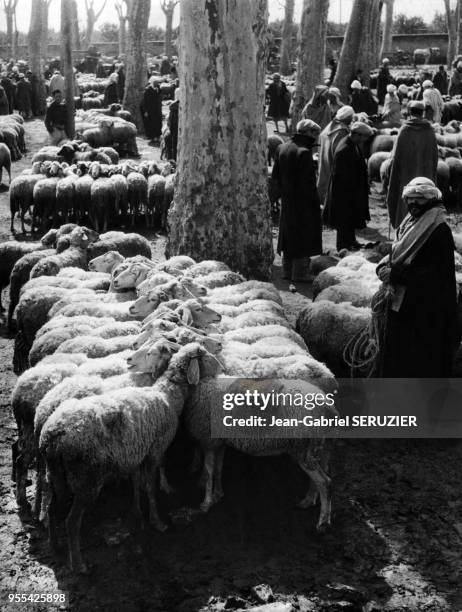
(323, 527)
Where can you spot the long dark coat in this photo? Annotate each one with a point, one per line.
(279, 100)
(152, 105)
(420, 339)
(348, 201)
(300, 230)
(384, 78)
(9, 88)
(4, 106)
(111, 94)
(23, 95)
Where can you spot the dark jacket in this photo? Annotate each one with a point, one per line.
(111, 95)
(363, 101)
(420, 339)
(121, 84)
(279, 100)
(9, 88)
(4, 106)
(440, 81)
(56, 116)
(384, 78)
(151, 104)
(348, 201)
(23, 96)
(300, 230)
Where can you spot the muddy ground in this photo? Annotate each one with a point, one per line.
(395, 544)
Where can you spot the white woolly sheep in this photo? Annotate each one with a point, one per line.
(338, 274)
(128, 245)
(358, 293)
(206, 267)
(220, 279)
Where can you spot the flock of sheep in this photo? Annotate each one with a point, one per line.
(113, 357)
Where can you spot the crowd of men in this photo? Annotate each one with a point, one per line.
(415, 311)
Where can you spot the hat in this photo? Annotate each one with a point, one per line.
(306, 125)
(402, 89)
(427, 83)
(344, 113)
(356, 85)
(335, 91)
(113, 77)
(459, 65)
(21, 75)
(391, 88)
(416, 105)
(422, 187)
(276, 75)
(385, 60)
(359, 127)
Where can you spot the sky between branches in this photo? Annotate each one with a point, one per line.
(338, 8)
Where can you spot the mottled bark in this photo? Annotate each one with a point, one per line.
(459, 28)
(351, 46)
(387, 40)
(37, 35)
(68, 67)
(92, 18)
(10, 11)
(367, 56)
(452, 21)
(121, 7)
(168, 6)
(285, 66)
(221, 208)
(311, 53)
(138, 18)
(75, 25)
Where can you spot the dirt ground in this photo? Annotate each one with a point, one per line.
(395, 544)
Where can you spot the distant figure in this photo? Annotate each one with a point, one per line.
(165, 66)
(455, 85)
(391, 113)
(333, 70)
(333, 99)
(9, 88)
(362, 99)
(23, 96)
(100, 71)
(434, 103)
(347, 207)
(151, 109)
(57, 82)
(440, 81)
(279, 101)
(415, 153)
(120, 82)
(56, 118)
(384, 78)
(317, 109)
(111, 93)
(171, 143)
(300, 230)
(4, 106)
(417, 322)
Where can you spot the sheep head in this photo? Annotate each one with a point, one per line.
(153, 331)
(189, 364)
(196, 314)
(152, 281)
(82, 236)
(131, 277)
(106, 262)
(152, 357)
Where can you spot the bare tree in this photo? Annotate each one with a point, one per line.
(387, 40)
(10, 13)
(367, 55)
(37, 40)
(122, 8)
(454, 25)
(92, 18)
(311, 53)
(75, 25)
(68, 68)
(285, 66)
(138, 17)
(223, 214)
(168, 6)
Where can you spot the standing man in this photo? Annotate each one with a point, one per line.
(417, 325)
(300, 231)
(56, 118)
(57, 82)
(279, 101)
(23, 97)
(455, 85)
(433, 101)
(347, 207)
(111, 93)
(171, 141)
(151, 109)
(415, 153)
(440, 81)
(384, 78)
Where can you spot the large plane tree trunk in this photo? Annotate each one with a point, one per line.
(311, 53)
(36, 41)
(135, 81)
(387, 40)
(168, 6)
(367, 56)
(221, 209)
(68, 68)
(285, 66)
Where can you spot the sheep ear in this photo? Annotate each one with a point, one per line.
(186, 316)
(193, 373)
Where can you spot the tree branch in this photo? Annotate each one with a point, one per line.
(98, 14)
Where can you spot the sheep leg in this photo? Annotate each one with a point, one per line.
(23, 212)
(323, 484)
(73, 524)
(14, 456)
(40, 486)
(136, 506)
(165, 486)
(218, 492)
(154, 518)
(13, 213)
(209, 469)
(23, 461)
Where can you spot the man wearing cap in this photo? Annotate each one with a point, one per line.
(415, 153)
(347, 206)
(391, 113)
(279, 101)
(111, 93)
(300, 231)
(455, 85)
(56, 118)
(384, 78)
(433, 101)
(416, 315)
(151, 110)
(440, 81)
(57, 82)
(23, 96)
(362, 99)
(330, 137)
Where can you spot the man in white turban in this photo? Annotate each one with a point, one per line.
(433, 100)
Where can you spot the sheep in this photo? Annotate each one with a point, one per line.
(53, 339)
(48, 153)
(322, 262)
(152, 281)
(253, 334)
(131, 275)
(356, 293)
(169, 191)
(137, 193)
(127, 245)
(94, 347)
(337, 275)
(220, 279)
(253, 305)
(156, 194)
(180, 289)
(327, 328)
(102, 206)
(236, 298)
(206, 267)
(121, 193)
(82, 196)
(175, 263)
(92, 280)
(65, 196)
(5, 161)
(44, 194)
(60, 324)
(374, 164)
(75, 255)
(148, 421)
(106, 263)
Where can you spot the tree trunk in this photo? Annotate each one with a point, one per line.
(15, 36)
(168, 33)
(367, 50)
(311, 53)
(75, 25)
(221, 209)
(68, 69)
(90, 27)
(37, 32)
(285, 66)
(459, 27)
(135, 81)
(9, 32)
(122, 35)
(452, 23)
(387, 41)
(351, 46)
